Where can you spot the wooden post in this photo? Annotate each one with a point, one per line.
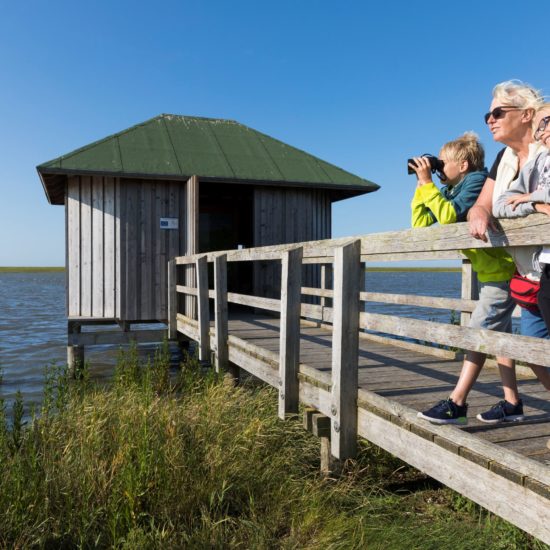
(289, 346)
(203, 308)
(192, 240)
(326, 279)
(469, 289)
(172, 301)
(220, 319)
(345, 350)
(75, 360)
(319, 425)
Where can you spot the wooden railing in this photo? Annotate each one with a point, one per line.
(343, 261)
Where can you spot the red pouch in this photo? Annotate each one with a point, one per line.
(524, 291)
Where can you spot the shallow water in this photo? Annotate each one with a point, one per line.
(33, 326)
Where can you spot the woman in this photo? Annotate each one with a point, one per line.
(509, 120)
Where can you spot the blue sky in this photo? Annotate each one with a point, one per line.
(362, 85)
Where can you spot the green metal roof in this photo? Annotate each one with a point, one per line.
(178, 147)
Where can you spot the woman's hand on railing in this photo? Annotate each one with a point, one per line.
(479, 220)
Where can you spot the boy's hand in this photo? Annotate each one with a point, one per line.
(543, 208)
(518, 199)
(421, 165)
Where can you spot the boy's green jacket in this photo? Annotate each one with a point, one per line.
(451, 205)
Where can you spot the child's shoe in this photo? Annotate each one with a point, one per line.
(502, 412)
(446, 412)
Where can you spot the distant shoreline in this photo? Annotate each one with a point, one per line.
(30, 269)
(383, 269)
(417, 269)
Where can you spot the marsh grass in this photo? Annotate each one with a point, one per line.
(163, 459)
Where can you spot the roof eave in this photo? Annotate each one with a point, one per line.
(355, 189)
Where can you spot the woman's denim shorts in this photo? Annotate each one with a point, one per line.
(532, 324)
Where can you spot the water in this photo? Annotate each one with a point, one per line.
(33, 326)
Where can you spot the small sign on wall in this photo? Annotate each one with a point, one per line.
(169, 223)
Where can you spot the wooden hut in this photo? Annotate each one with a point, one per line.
(176, 185)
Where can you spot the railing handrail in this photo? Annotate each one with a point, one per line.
(434, 242)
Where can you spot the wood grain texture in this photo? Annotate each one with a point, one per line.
(203, 308)
(289, 354)
(221, 313)
(345, 343)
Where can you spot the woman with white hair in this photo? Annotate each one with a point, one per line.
(509, 120)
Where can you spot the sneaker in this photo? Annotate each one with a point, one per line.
(446, 412)
(502, 412)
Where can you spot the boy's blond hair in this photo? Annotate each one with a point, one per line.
(466, 147)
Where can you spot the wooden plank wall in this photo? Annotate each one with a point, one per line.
(117, 254)
(288, 216)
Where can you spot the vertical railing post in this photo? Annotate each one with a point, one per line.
(220, 309)
(345, 350)
(469, 289)
(172, 302)
(203, 309)
(326, 279)
(289, 347)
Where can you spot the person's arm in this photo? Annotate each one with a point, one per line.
(541, 195)
(479, 216)
(420, 215)
(442, 209)
(516, 202)
(512, 204)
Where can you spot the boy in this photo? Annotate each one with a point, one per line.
(464, 173)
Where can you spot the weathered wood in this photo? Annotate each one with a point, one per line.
(203, 308)
(289, 355)
(479, 483)
(468, 290)
(220, 308)
(524, 348)
(269, 304)
(188, 327)
(110, 242)
(419, 301)
(112, 337)
(192, 236)
(172, 301)
(86, 246)
(73, 246)
(98, 233)
(75, 358)
(433, 240)
(429, 350)
(345, 343)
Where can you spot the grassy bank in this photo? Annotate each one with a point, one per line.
(183, 461)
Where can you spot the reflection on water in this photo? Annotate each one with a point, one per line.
(33, 329)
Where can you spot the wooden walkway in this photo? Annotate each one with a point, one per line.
(415, 380)
(315, 351)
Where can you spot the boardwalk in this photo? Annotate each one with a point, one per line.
(312, 347)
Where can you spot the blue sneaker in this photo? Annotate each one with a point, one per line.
(502, 412)
(446, 412)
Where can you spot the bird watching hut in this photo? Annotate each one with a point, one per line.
(174, 186)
